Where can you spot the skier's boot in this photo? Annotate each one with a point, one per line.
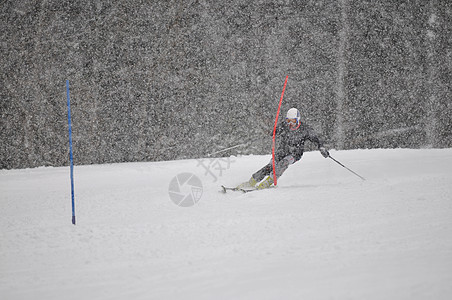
(247, 184)
(266, 183)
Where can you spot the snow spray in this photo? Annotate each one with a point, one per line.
(70, 150)
(274, 131)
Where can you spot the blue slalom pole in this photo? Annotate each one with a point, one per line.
(70, 150)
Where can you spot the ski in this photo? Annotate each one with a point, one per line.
(225, 189)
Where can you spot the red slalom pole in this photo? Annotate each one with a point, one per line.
(274, 130)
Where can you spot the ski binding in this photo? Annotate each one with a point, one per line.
(225, 189)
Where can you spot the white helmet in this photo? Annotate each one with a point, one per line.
(293, 113)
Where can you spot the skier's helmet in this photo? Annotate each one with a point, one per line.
(293, 113)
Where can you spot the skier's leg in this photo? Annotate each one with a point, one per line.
(280, 167)
(256, 177)
(265, 171)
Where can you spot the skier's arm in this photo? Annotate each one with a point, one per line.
(314, 138)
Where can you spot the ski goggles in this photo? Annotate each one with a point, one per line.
(291, 121)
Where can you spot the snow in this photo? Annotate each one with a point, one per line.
(323, 233)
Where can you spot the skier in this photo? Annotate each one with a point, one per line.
(290, 139)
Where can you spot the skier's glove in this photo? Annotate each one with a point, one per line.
(324, 152)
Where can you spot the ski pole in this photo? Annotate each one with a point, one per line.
(233, 147)
(347, 168)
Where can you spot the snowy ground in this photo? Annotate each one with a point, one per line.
(322, 234)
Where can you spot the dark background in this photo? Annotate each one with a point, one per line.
(164, 80)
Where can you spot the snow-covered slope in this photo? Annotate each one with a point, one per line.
(321, 234)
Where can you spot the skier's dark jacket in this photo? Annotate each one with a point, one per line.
(291, 142)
